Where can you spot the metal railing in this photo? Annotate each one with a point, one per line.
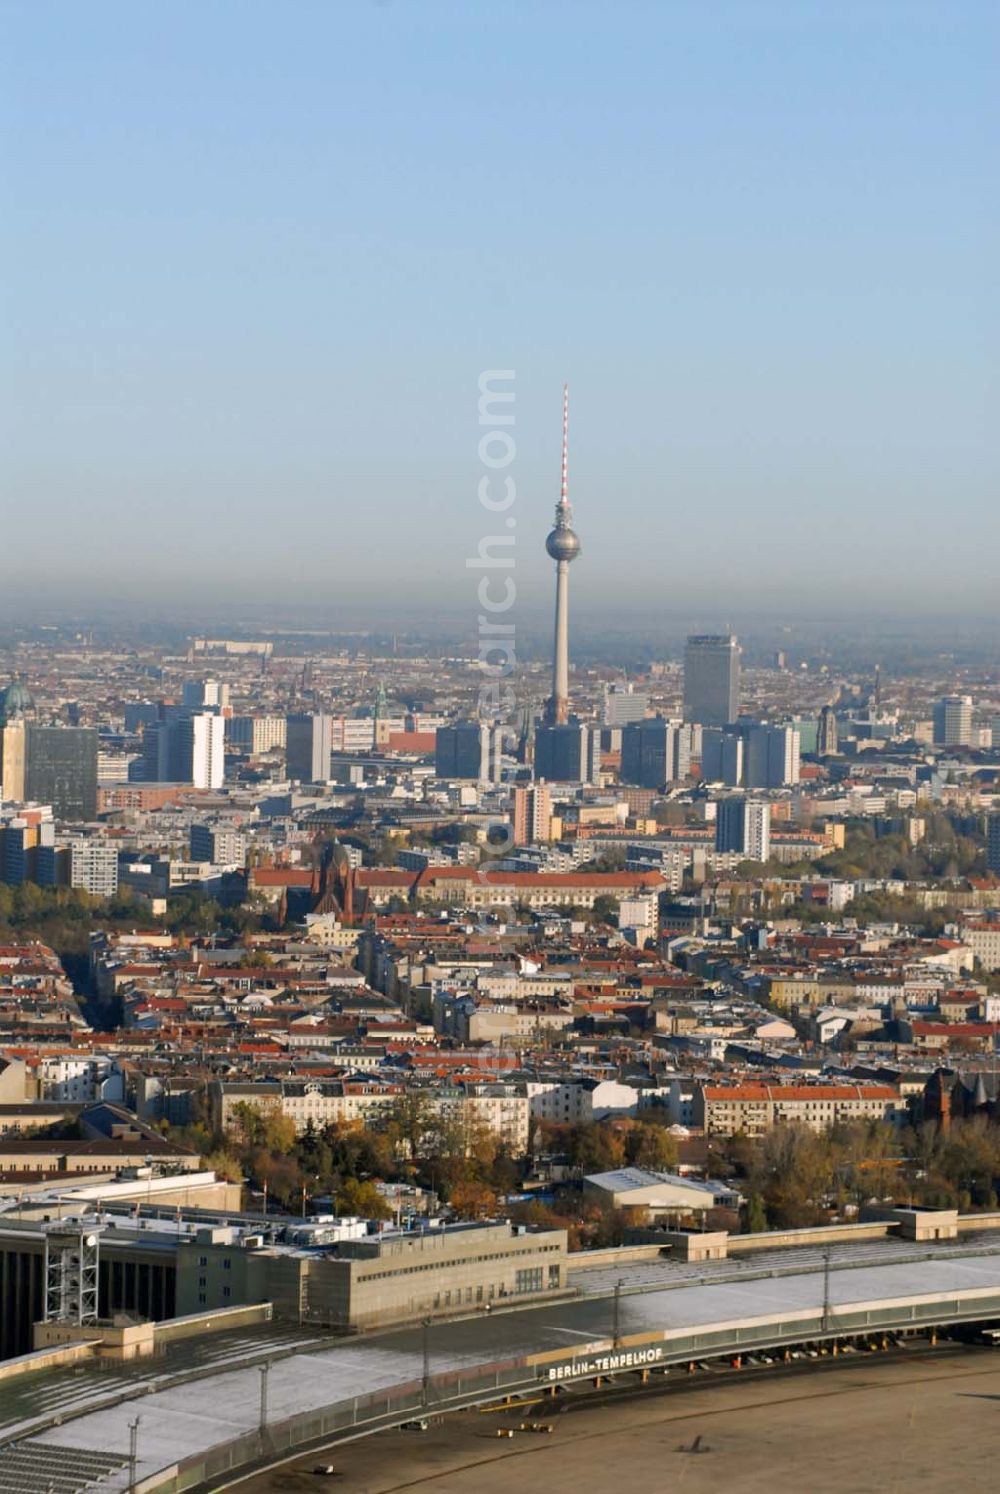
(460, 1389)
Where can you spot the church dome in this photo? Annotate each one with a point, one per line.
(17, 700)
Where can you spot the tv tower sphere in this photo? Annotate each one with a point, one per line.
(562, 543)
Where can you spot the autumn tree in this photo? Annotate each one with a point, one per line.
(650, 1146)
(408, 1121)
(472, 1200)
(361, 1200)
(597, 1147)
(269, 1129)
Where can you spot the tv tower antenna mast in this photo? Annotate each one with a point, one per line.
(563, 546)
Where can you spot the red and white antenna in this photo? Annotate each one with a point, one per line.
(564, 490)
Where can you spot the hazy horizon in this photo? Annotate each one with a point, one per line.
(257, 258)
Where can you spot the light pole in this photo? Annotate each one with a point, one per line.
(618, 1311)
(425, 1324)
(826, 1290)
(133, 1453)
(265, 1370)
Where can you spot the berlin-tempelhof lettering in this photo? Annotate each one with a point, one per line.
(606, 1364)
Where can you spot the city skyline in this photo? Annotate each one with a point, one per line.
(417, 999)
(767, 282)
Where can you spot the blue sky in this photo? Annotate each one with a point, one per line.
(254, 257)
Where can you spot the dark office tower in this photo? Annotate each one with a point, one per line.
(62, 770)
(993, 844)
(469, 750)
(722, 754)
(712, 679)
(567, 754)
(160, 754)
(139, 713)
(308, 744)
(826, 735)
(771, 755)
(648, 755)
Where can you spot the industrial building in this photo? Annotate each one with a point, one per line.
(661, 1195)
(352, 1284)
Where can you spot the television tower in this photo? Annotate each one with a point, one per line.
(563, 545)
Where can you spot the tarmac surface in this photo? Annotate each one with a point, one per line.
(914, 1423)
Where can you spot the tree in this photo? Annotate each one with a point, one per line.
(355, 1151)
(408, 1122)
(650, 1146)
(257, 959)
(225, 1164)
(756, 1214)
(605, 909)
(471, 1200)
(267, 1129)
(279, 1173)
(361, 1200)
(596, 1147)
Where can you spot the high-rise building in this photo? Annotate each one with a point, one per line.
(205, 695)
(687, 748)
(563, 546)
(203, 747)
(532, 814)
(140, 713)
(568, 753)
(308, 744)
(62, 770)
(220, 845)
(22, 834)
(826, 735)
(256, 734)
(86, 863)
(13, 739)
(160, 761)
(743, 827)
(771, 756)
(624, 703)
(993, 844)
(722, 756)
(648, 755)
(184, 747)
(16, 705)
(93, 866)
(953, 721)
(469, 749)
(712, 679)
